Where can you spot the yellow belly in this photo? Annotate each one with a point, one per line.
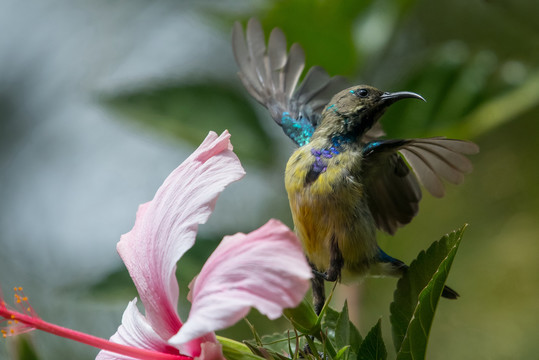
(331, 207)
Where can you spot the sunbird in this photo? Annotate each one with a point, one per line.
(345, 180)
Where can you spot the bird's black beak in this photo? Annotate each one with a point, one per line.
(388, 98)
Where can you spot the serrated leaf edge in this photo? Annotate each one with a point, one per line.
(459, 233)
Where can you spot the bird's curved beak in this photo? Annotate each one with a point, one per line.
(388, 98)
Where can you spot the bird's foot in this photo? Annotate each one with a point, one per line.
(327, 275)
(319, 274)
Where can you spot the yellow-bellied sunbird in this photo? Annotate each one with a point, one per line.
(344, 181)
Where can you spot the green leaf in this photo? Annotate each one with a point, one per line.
(118, 285)
(331, 31)
(342, 328)
(22, 348)
(115, 286)
(342, 353)
(234, 350)
(303, 318)
(189, 112)
(373, 348)
(452, 82)
(504, 107)
(466, 96)
(277, 346)
(329, 321)
(417, 295)
(346, 334)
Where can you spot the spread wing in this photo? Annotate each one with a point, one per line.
(271, 75)
(393, 188)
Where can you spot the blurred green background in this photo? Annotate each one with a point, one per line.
(101, 100)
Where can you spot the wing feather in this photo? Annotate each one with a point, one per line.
(426, 175)
(434, 159)
(293, 69)
(271, 76)
(393, 191)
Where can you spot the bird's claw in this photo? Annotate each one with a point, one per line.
(323, 275)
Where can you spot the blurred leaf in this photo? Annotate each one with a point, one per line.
(506, 27)
(115, 286)
(373, 348)
(118, 284)
(464, 89)
(504, 107)
(330, 38)
(21, 348)
(189, 112)
(342, 353)
(417, 295)
(329, 31)
(466, 94)
(451, 80)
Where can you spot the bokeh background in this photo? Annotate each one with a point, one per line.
(100, 100)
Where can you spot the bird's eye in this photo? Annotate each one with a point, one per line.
(362, 92)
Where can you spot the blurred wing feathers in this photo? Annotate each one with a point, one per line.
(393, 194)
(435, 159)
(271, 76)
(316, 91)
(393, 190)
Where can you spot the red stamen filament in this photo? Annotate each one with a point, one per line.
(35, 322)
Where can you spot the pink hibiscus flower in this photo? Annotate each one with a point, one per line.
(264, 269)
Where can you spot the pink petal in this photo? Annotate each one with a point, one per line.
(265, 269)
(204, 347)
(136, 331)
(211, 351)
(165, 228)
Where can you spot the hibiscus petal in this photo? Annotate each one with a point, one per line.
(205, 347)
(211, 351)
(165, 228)
(265, 269)
(136, 331)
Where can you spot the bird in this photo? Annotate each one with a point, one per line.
(345, 181)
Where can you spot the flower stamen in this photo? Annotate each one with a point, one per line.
(26, 319)
(13, 325)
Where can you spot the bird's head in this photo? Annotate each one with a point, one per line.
(355, 110)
